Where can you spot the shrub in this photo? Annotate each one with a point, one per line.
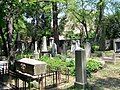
(108, 53)
(58, 62)
(24, 55)
(95, 47)
(54, 63)
(93, 65)
(97, 54)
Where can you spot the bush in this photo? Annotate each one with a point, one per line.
(95, 47)
(54, 63)
(24, 55)
(93, 65)
(108, 53)
(61, 63)
(97, 54)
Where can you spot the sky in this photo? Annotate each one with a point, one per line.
(108, 10)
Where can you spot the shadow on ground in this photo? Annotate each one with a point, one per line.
(109, 82)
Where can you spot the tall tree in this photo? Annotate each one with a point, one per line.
(55, 23)
(100, 9)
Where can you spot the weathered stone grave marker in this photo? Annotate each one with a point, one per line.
(65, 48)
(73, 46)
(87, 49)
(44, 45)
(23, 47)
(36, 54)
(116, 44)
(80, 69)
(54, 49)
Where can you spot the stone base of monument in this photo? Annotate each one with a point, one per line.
(36, 55)
(45, 53)
(80, 86)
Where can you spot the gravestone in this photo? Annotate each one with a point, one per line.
(23, 47)
(107, 44)
(54, 50)
(116, 44)
(51, 41)
(65, 48)
(87, 49)
(77, 45)
(80, 69)
(36, 54)
(44, 45)
(32, 47)
(35, 46)
(73, 46)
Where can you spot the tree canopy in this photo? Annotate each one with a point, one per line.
(95, 19)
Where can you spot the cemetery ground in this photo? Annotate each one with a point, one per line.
(106, 78)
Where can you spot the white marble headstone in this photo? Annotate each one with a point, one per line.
(77, 47)
(73, 47)
(36, 54)
(35, 46)
(44, 45)
(23, 47)
(87, 49)
(51, 41)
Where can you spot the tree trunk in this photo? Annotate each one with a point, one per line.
(100, 7)
(85, 26)
(55, 24)
(4, 42)
(9, 26)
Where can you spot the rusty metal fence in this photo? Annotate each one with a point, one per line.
(45, 81)
(3, 70)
